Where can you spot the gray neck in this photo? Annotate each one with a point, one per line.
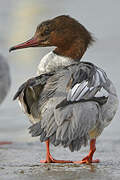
(51, 62)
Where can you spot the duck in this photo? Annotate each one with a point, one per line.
(5, 83)
(69, 102)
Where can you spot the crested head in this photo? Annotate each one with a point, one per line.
(70, 38)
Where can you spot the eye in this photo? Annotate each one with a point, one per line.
(46, 32)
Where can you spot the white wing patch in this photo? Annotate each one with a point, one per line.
(89, 88)
(83, 92)
(77, 91)
(101, 93)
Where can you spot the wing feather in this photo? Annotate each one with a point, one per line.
(88, 86)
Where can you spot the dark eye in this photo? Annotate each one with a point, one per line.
(46, 32)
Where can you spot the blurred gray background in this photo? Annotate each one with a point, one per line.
(18, 21)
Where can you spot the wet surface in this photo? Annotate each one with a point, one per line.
(18, 21)
(21, 161)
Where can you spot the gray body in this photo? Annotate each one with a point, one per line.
(4, 78)
(66, 102)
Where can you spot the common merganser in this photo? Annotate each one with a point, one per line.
(70, 102)
(4, 84)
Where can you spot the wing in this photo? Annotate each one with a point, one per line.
(29, 92)
(86, 82)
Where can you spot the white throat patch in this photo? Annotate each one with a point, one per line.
(51, 61)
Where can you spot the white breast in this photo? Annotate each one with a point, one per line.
(51, 61)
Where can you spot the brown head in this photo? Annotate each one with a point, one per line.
(70, 38)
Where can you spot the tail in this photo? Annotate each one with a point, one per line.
(36, 130)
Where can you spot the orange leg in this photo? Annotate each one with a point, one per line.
(5, 142)
(88, 159)
(49, 158)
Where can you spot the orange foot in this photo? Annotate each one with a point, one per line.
(50, 159)
(5, 142)
(87, 160)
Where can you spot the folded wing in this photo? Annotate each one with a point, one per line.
(88, 86)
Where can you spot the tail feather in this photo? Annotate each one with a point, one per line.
(35, 130)
(43, 137)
